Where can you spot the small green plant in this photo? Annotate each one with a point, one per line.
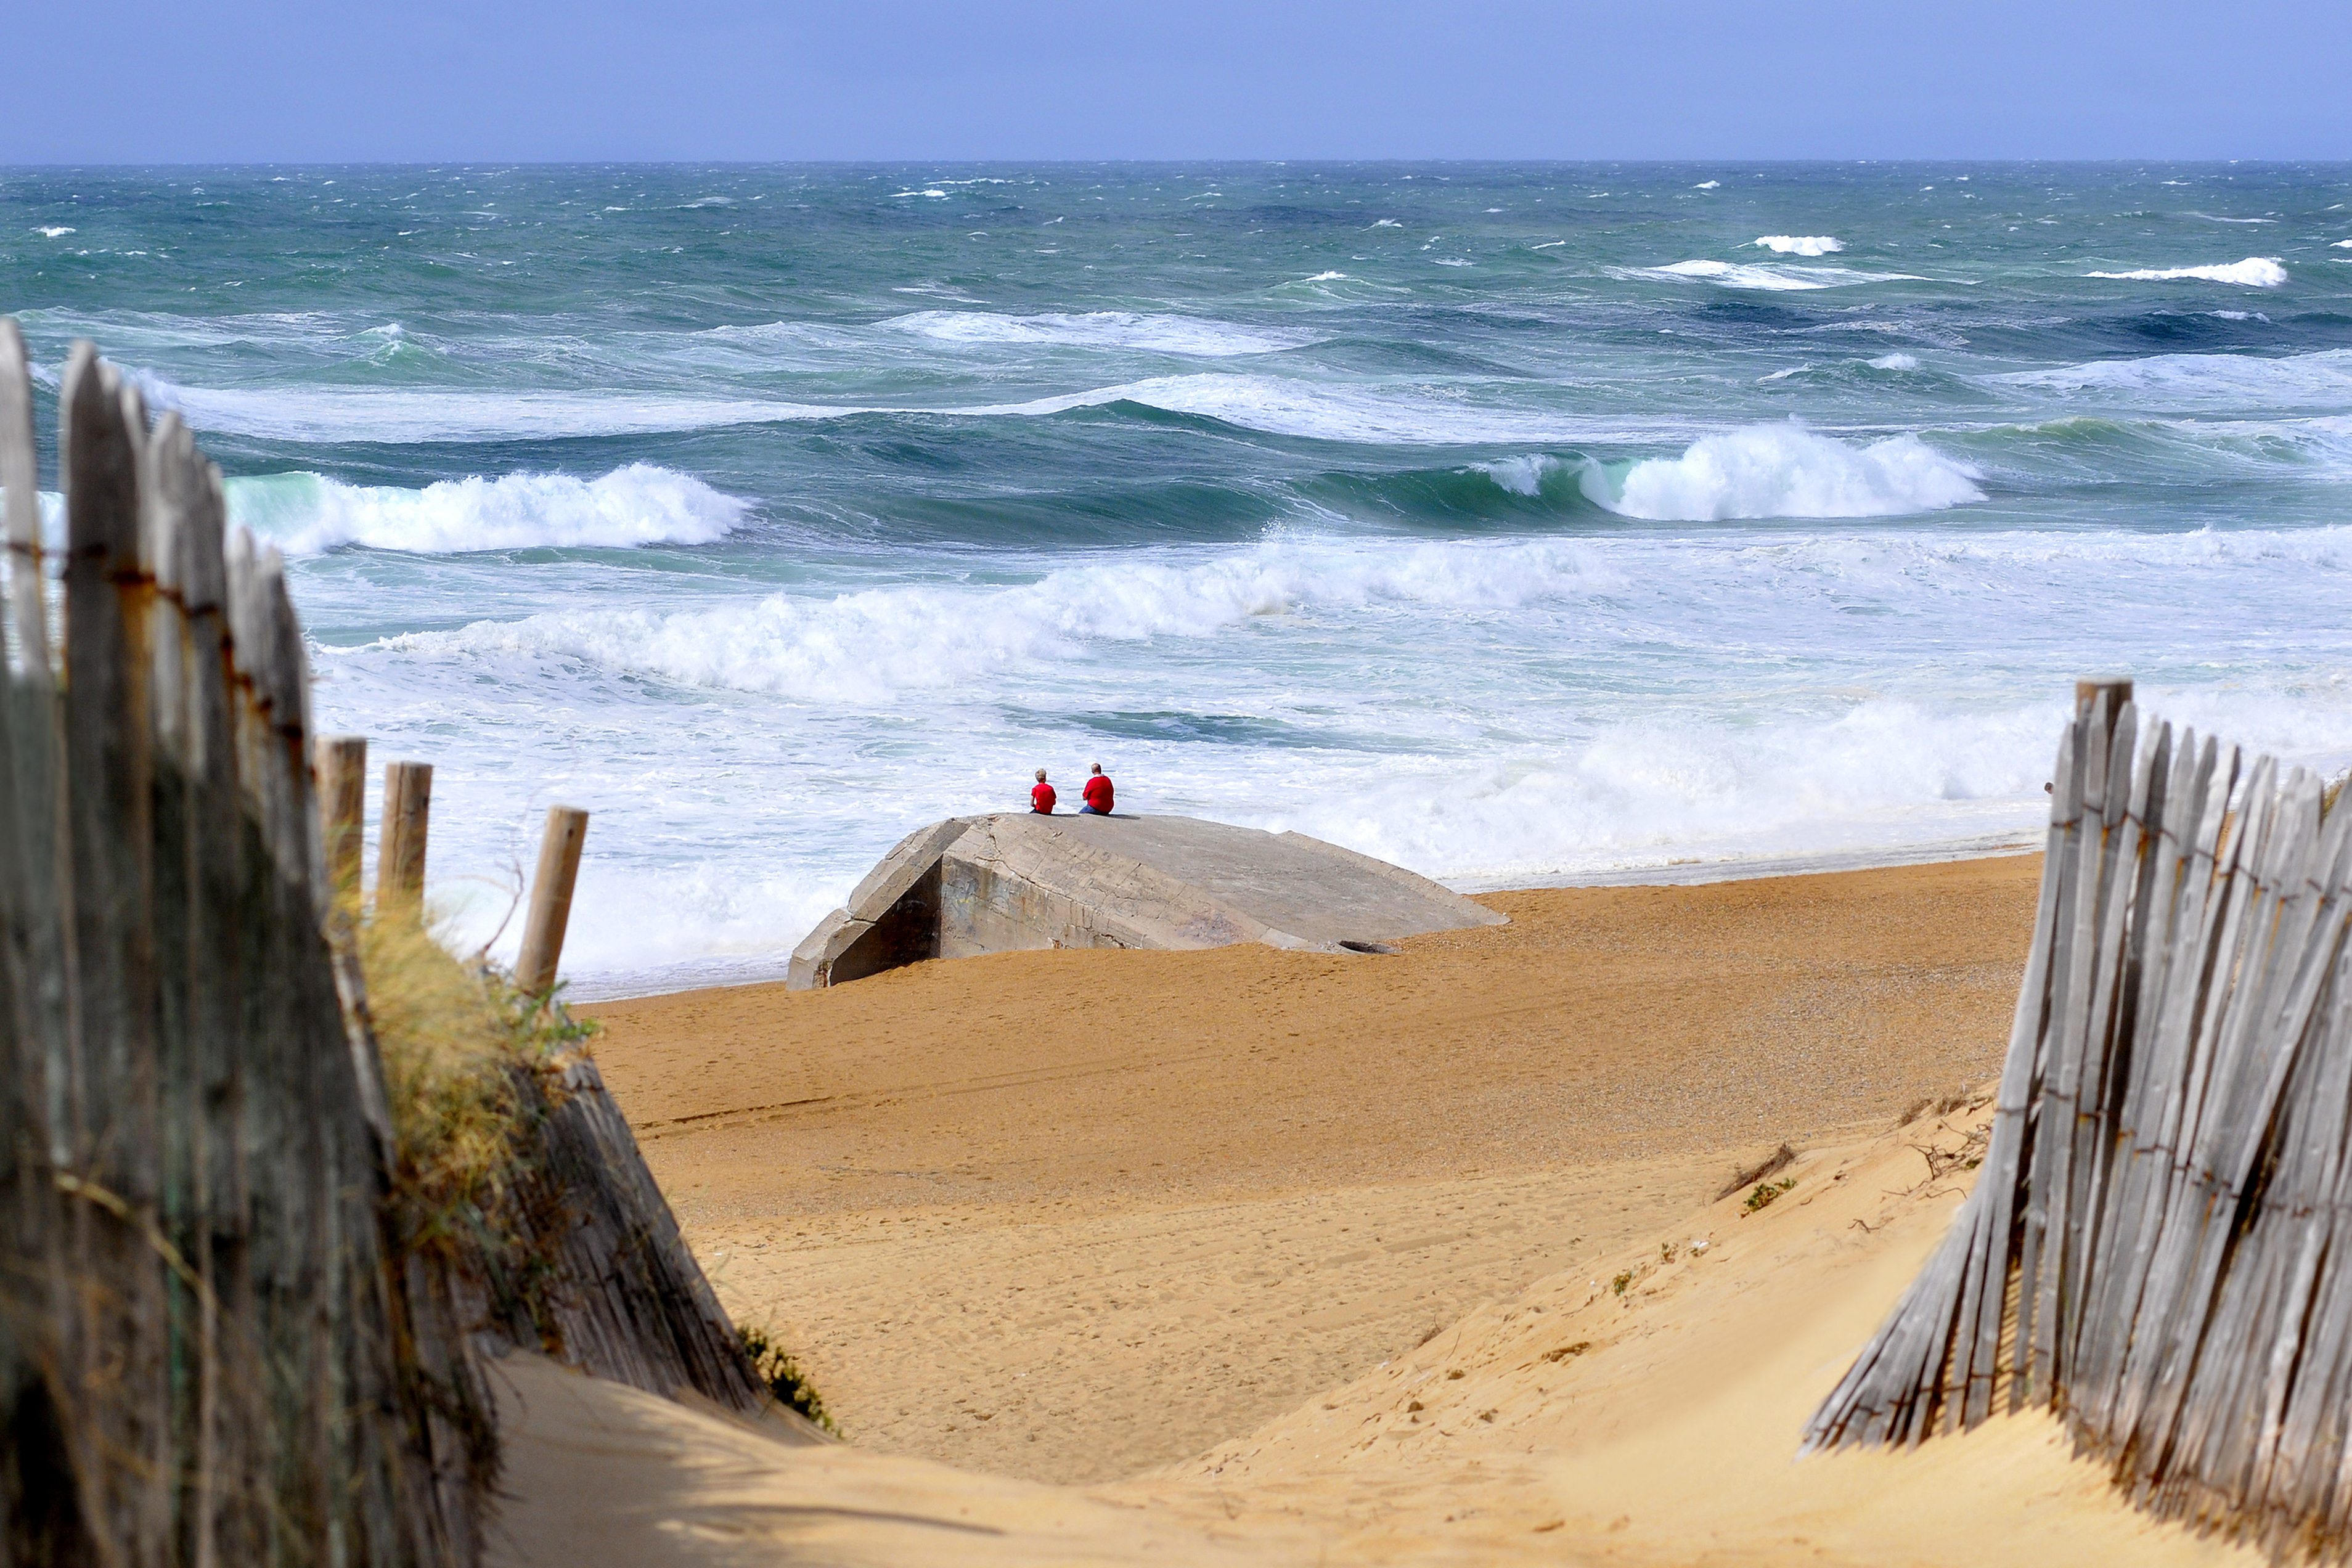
(1622, 1282)
(1767, 1193)
(785, 1377)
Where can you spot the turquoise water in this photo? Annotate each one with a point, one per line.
(1508, 522)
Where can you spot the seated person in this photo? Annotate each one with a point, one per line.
(1041, 799)
(1098, 795)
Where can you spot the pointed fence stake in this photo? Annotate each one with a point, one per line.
(340, 763)
(550, 899)
(400, 857)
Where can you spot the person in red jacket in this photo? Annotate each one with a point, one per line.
(1041, 799)
(1098, 795)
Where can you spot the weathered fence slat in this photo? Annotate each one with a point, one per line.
(550, 899)
(400, 851)
(341, 768)
(204, 1361)
(21, 505)
(216, 1348)
(2160, 1246)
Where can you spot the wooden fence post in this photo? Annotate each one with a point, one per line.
(550, 899)
(340, 765)
(400, 857)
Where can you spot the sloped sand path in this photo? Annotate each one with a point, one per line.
(1068, 1215)
(601, 1475)
(1572, 1423)
(1587, 1426)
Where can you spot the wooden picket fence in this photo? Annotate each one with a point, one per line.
(211, 1349)
(2158, 1247)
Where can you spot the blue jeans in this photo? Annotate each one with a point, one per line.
(1090, 811)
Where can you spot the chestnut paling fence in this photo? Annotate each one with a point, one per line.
(2158, 1247)
(212, 1351)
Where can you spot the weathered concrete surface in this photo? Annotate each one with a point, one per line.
(1016, 880)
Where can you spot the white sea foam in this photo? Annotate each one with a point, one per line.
(641, 504)
(821, 728)
(1764, 275)
(135, 332)
(1707, 185)
(2253, 272)
(1800, 244)
(1894, 362)
(54, 231)
(860, 647)
(337, 414)
(1786, 471)
(2235, 381)
(1188, 336)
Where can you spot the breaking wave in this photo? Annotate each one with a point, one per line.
(306, 514)
(1799, 244)
(1785, 471)
(857, 647)
(2253, 272)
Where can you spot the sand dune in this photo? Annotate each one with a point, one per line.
(1176, 1229)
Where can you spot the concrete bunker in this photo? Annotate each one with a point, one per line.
(1016, 881)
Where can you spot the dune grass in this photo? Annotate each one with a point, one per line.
(471, 1071)
(472, 1067)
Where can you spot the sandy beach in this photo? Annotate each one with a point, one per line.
(1065, 1215)
(1246, 1255)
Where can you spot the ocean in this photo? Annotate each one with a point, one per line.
(1518, 523)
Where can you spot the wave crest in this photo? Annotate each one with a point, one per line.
(1799, 244)
(307, 513)
(1786, 471)
(2253, 272)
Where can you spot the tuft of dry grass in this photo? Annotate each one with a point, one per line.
(447, 1054)
(470, 1073)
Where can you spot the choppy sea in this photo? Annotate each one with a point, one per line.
(1513, 522)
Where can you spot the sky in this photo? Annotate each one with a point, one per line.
(241, 81)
